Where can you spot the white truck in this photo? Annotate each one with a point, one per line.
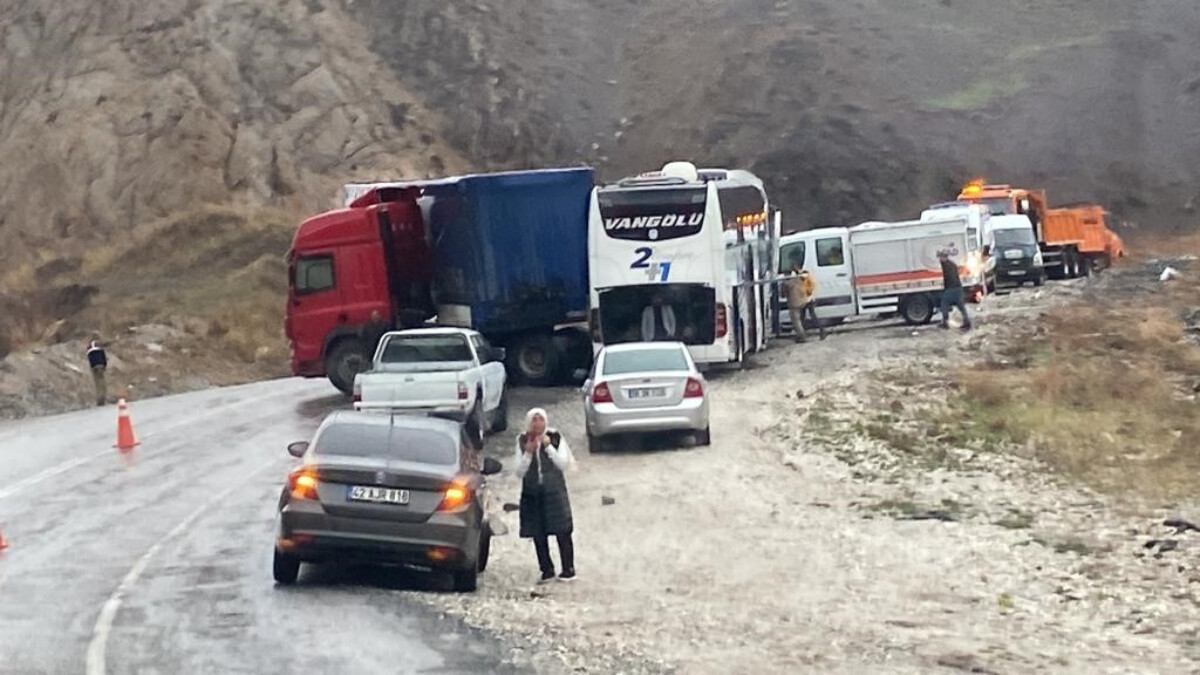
(883, 268)
(444, 372)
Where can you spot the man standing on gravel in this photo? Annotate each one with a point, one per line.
(800, 288)
(98, 362)
(952, 291)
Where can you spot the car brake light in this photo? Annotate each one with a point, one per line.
(722, 320)
(693, 389)
(601, 393)
(462, 391)
(302, 484)
(455, 497)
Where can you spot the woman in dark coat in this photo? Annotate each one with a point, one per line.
(542, 458)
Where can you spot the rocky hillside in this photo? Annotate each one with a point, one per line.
(160, 153)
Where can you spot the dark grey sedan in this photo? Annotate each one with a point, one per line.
(400, 490)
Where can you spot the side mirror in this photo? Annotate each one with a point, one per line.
(491, 466)
(298, 448)
(499, 354)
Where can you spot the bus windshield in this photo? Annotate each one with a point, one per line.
(652, 214)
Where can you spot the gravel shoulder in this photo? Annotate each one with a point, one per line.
(790, 546)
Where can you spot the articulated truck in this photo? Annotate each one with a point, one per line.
(504, 254)
(1074, 240)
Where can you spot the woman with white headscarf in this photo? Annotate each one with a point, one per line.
(542, 458)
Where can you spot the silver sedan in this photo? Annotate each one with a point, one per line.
(645, 387)
(396, 490)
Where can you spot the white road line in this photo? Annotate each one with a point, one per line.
(49, 473)
(97, 653)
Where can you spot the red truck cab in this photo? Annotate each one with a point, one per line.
(344, 265)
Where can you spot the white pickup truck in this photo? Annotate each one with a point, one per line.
(445, 372)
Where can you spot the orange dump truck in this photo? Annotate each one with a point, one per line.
(1074, 240)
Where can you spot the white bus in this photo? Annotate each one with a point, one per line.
(683, 254)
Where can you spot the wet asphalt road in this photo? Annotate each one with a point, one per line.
(159, 562)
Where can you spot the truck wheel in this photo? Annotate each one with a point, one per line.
(500, 417)
(917, 310)
(344, 361)
(535, 359)
(1071, 265)
(1085, 266)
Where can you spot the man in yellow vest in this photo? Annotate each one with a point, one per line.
(801, 289)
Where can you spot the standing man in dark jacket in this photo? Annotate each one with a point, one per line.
(952, 291)
(98, 362)
(542, 457)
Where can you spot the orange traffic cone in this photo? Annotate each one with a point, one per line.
(125, 438)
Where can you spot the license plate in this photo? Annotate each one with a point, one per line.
(648, 392)
(377, 495)
(1016, 273)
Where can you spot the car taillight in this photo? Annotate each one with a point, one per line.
(722, 320)
(455, 498)
(302, 484)
(693, 388)
(601, 394)
(462, 391)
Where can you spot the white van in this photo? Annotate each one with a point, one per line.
(1014, 250)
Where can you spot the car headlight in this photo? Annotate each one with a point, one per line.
(1037, 258)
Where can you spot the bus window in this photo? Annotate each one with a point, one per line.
(829, 252)
(791, 255)
(652, 214)
(740, 200)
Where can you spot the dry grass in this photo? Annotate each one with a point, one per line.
(1105, 394)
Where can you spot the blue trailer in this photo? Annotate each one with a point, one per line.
(509, 258)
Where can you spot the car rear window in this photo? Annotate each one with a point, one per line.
(426, 348)
(662, 359)
(379, 440)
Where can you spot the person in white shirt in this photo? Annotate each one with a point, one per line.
(542, 458)
(658, 321)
